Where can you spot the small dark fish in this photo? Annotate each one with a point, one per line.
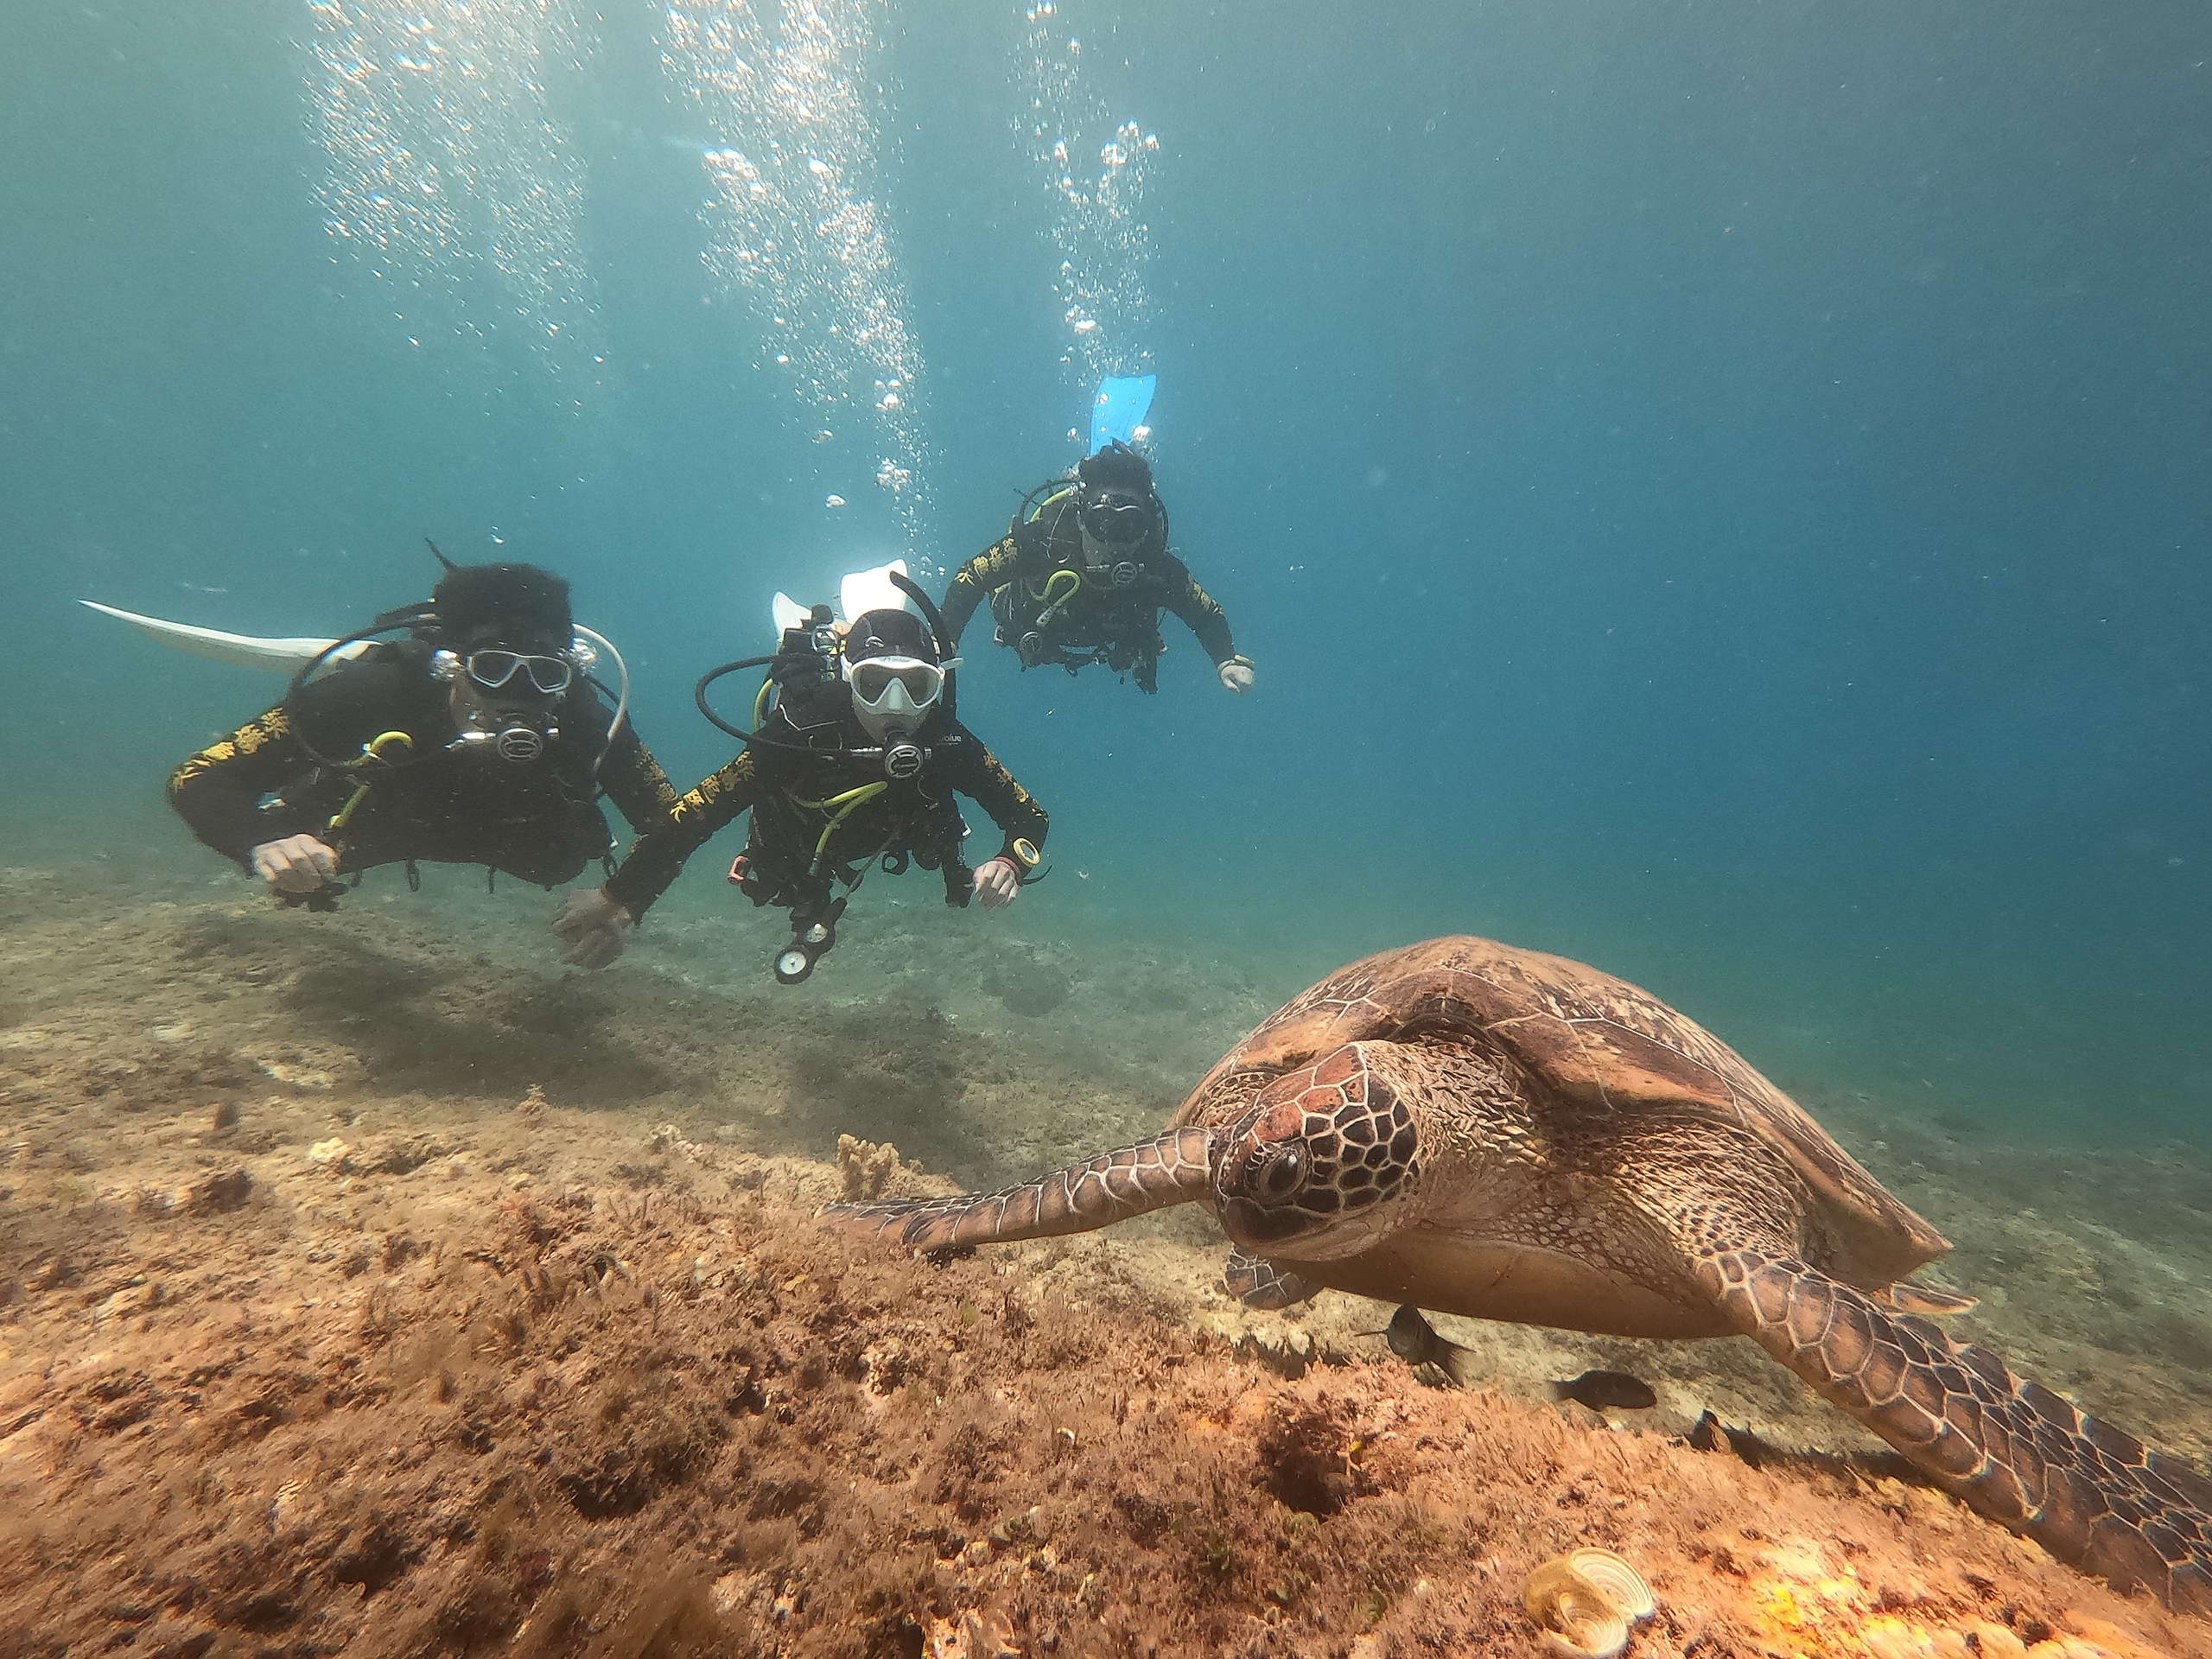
(1606, 1391)
(1414, 1340)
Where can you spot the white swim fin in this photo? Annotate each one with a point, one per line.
(290, 656)
(242, 650)
(863, 590)
(872, 590)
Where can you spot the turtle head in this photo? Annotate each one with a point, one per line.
(1320, 1164)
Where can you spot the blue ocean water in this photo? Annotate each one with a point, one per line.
(1718, 490)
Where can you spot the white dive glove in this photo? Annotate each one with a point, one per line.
(1236, 675)
(998, 883)
(592, 925)
(295, 864)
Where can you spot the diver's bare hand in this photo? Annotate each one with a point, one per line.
(295, 864)
(997, 883)
(592, 925)
(1236, 675)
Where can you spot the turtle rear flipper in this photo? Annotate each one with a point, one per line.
(2087, 1492)
(1174, 1168)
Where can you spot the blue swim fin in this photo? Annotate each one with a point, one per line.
(1117, 412)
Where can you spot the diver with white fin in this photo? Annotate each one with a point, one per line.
(852, 764)
(475, 735)
(1083, 572)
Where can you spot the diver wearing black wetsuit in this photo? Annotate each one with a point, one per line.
(857, 766)
(406, 753)
(1083, 574)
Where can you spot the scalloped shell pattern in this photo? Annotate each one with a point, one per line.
(1585, 1600)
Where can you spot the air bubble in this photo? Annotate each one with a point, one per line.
(794, 227)
(1099, 229)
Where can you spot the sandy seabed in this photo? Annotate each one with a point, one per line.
(369, 1286)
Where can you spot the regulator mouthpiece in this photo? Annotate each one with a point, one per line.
(901, 759)
(517, 743)
(520, 744)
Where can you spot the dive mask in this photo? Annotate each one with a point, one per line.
(494, 668)
(893, 695)
(1118, 519)
(896, 688)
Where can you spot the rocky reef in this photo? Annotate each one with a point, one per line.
(369, 1287)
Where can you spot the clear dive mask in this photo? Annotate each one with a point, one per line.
(893, 695)
(896, 688)
(494, 668)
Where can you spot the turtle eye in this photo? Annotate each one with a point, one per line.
(1285, 1172)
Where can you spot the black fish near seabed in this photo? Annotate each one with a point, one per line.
(1414, 1340)
(1417, 1342)
(1436, 1359)
(1607, 1391)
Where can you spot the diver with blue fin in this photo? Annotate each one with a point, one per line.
(1084, 570)
(854, 757)
(467, 729)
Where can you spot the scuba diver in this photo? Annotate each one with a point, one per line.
(1082, 573)
(856, 753)
(477, 738)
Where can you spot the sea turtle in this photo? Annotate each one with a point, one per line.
(1492, 1132)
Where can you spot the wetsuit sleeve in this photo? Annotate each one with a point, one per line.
(982, 777)
(217, 793)
(636, 784)
(990, 569)
(658, 855)
(1202, 613)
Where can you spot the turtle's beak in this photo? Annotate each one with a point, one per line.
(1254, 1224)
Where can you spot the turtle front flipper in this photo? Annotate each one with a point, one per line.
(2089, 1494)
(1901, 1298)
(1175, 1167)
(1257, 1282)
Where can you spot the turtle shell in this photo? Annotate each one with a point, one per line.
(1598, 1046)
